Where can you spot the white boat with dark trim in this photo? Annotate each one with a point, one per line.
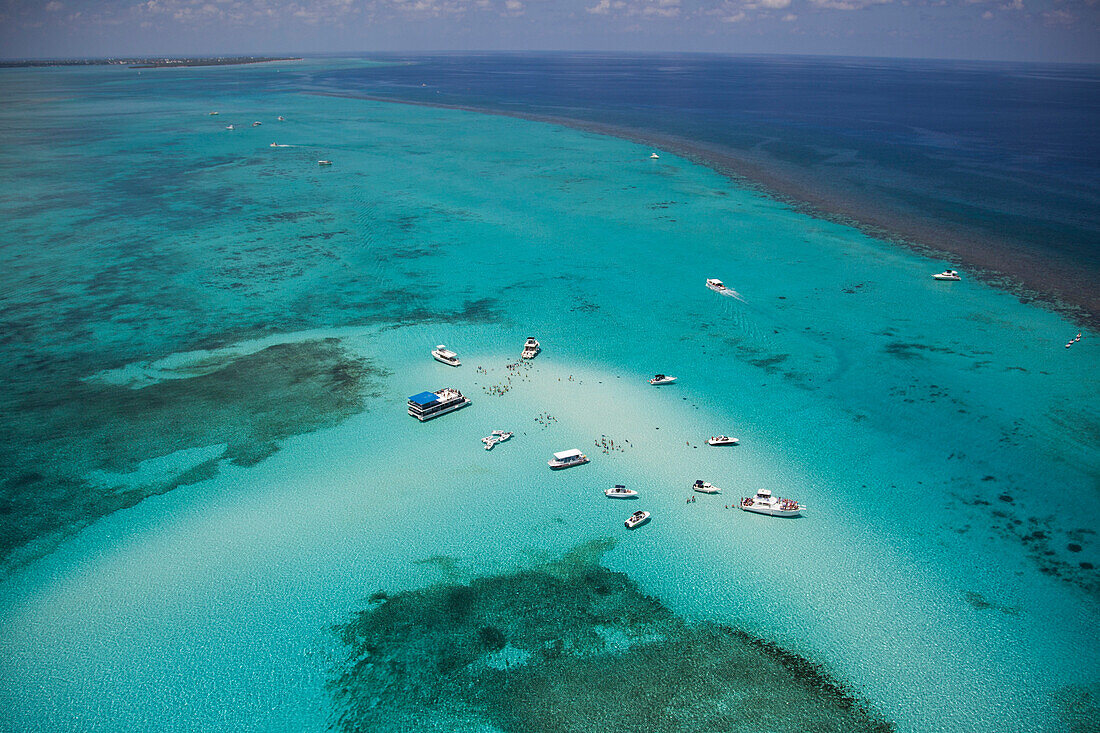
(531, 348)
(324, 162)
(659, 379)
(497, 436)
(636, 519)
(444, 355)
(774, 506)
(722, 440)
(430, 405)
(720, 287)
(567, 458)
(654, 156)
(620, 492)
(947, 275)
(705, 487)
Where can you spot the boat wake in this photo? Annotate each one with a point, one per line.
(732, 294)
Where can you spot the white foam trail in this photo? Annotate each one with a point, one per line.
(734, 294)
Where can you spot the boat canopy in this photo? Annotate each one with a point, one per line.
(574, 453)
(764, 492)
(424, 398)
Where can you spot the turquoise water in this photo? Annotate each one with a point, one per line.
(210, 342)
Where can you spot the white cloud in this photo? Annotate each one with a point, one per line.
(848, 4)
(987, 15)
(53, 6)
(790, 18)
(1059, 17)
(734, 18)
(641, 8)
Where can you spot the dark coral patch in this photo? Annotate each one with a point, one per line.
(249, 404)
(526, 651)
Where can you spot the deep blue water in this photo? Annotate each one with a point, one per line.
(999, 155)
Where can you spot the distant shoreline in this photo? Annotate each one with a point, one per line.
(1027, 274)
(149, 63)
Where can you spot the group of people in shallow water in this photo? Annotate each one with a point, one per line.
(606, 444)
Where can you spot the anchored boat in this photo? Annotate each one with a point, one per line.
(636, 519)
(947, 275)
(659, 379)
(705, 487)
(620, 492)
(430, 405)
(567, 458)
(442, 354)
(497, 436)
(722, 440)
(531, 348)
(765, 503)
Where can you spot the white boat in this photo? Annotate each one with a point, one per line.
(497, 436)
(722, 440)
(947, 275)
(324, 162)
(653, 156)
(567, 458)
(256, 124)
(444, 355)
(274, 145)
(531, 348)
(659, 379)
(430, 405)
(280, 118)
(213, 113)
(636, 519)
(720, 287)
(229, 127)
(705, 487)
(620, 492)
(765, 503)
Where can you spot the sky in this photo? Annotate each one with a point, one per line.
(1011, 30)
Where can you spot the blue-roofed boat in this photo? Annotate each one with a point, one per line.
(430, 405)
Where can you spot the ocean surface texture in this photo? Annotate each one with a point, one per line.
(217, 514)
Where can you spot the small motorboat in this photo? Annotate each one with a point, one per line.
(274, 145)
(445, 356)
(256, 124)
(620, 492)
(720, 287)
(774, 506)
(705, 487)
(722, 440)
(653, 156)
(229, 127)
(659, 379)
(636, 519)
(947, 275)
(531, 348)
(497, 436)
(213, 113)
(324, 162)
(567, 459)
(280, 118)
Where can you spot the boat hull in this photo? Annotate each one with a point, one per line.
(707, 489)
(772, 512)
(610, 495)
(723, 442)
(441, 360)
(557, 466)
(444, 411)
